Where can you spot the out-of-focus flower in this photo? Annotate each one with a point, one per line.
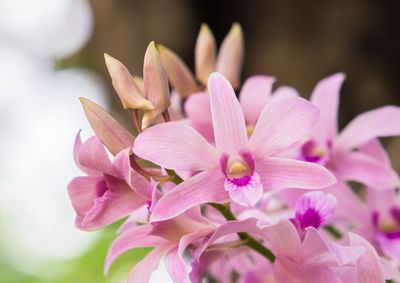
(351, 155)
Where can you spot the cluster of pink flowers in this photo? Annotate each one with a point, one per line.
(253, 188)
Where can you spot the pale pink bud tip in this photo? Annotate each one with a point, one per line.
(155, 85)
(205, 54)
(231, 54)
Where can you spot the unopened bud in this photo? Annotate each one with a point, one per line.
(179, 74)
(205, 54)
(125, 86)
(230, 56)
(155, 85)
(107, 129)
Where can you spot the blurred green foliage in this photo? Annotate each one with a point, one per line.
(86, 268)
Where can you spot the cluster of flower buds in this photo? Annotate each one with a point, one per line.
(254, 188)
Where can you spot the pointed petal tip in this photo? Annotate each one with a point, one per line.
(161, 48)
(125, 86)
(110, 60)
(151, 47)
(236, 27)
(155, 82)
(146, 121)
(205, 28)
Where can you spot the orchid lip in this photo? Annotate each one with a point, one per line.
(243, 181)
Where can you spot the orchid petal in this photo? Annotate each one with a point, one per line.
(283, 239)
(134, 238)
(359, 167)
(77, 150)
(205, 54)
(190, 238)
(204, 187)
(82, 192)
(230, 56)
(112, 201)
(197, 108)
(179, 74)
(245, 195)
(315, 249)
(155, 85)
(280, 173)
(199, 267)
(369, 269)
(176, 266)
(326, 98)
(281, 124)
(373, 148)
(284, 92)
(175, 145)
(93, 155)
(141, 272)
(381, 122)
(228, 121)
(254, 95)
(288, 271)
(140, 215)
(107, 129)
(249, 225)
(198, 111)
(315, 208)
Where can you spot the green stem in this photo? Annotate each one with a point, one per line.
(176, 179)
(250, 241)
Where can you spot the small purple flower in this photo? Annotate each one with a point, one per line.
(314, 209)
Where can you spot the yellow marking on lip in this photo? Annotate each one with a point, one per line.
(249, 130)
(237, 167)
(318, 152)
(387, 226)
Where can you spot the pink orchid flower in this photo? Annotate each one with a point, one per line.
(381, 226)
(238, 169)
(351, 155)
(302, 253)
(111, 190)
(170, 238)
(219, 255)
(254, 95)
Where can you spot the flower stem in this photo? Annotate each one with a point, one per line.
(250, 241)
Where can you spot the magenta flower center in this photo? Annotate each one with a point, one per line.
(243, 181)
(311, 217)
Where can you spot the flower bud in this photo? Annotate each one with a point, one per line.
(179, 74)
(128, 91)
(205, 54)
(230, 56)
(155, 85)
(107, 129)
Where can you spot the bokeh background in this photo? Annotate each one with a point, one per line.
(51, 53)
